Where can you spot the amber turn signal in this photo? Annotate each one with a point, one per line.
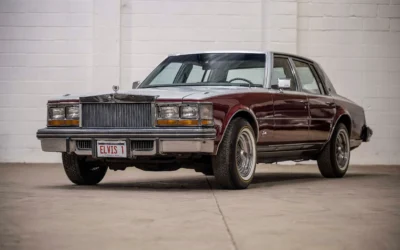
(177, 122)
(185, 122)
(63, 123)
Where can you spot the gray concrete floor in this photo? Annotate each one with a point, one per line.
(287, 207)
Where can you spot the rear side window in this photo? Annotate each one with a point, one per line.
(282, 70)
(328, 84)
(308, 81)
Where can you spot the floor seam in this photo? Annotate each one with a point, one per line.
(223, 217)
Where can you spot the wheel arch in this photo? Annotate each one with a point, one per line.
(249, 116)
(346, 120)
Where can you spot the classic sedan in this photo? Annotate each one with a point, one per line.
(219, 113)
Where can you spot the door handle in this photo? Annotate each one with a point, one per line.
(303, 101)
(330, 103)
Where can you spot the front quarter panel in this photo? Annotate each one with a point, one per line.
(258, 105)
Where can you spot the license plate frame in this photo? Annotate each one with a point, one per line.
(111, 149)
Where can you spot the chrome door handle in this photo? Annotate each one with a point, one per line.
(330, 103)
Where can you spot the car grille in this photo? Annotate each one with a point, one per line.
(81, 144)
(142, 145)
(117, 115)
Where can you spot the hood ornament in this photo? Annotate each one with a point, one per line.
(115, 88)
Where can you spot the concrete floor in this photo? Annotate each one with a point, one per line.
(287, 207)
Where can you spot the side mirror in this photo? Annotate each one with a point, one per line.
(135, 84)
(284, 83)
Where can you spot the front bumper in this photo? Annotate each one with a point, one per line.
(163, 140)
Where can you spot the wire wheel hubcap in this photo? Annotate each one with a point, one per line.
(245, 157)
(342, 150)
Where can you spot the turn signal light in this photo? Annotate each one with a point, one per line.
(184, 122)
(63, 123)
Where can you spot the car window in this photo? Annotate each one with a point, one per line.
(308, 81)
(209, 69)
(195, 75)
(168, 74)
(255, 75)
(282, 70)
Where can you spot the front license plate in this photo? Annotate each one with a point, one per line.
(111, 149)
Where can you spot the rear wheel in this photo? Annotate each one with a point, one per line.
(334, 159)
(81, 172)
(235, 163)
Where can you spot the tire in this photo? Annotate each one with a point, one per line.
(330, 162)
(229, 172)
(81, 172)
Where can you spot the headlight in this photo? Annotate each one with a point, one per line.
(57, 113)
(63, 114)
(72, 113)
(189, 112)
(168, 112)
(196, 114)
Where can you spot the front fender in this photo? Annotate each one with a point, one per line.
(229, 115)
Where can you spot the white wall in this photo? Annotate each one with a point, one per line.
(51, 47)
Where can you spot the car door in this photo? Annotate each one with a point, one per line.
(290, 105)
(321, 106)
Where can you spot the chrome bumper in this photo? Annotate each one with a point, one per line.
(165, 140)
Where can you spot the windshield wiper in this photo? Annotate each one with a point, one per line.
(202, 84)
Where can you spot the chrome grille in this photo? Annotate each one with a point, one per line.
(84, 144)
(117, 115)
(142, 145)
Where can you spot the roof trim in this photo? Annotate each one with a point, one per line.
(244, 52)
(221, 51)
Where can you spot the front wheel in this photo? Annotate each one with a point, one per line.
(81, 172)
(334, 159)
(235, 163)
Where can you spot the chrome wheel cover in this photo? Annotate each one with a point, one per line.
(245, 154)
(342, 150)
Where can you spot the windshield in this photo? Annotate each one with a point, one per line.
(209, 69)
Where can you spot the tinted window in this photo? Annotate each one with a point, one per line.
(308, 81)
(282, 70)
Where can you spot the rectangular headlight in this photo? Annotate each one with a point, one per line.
(72, 112)
(57, 113)
(190, 112)
(168, 112)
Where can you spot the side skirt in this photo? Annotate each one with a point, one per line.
(288, 152)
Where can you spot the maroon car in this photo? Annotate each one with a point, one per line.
(219, 113)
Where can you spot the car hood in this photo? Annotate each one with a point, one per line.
(166, 93)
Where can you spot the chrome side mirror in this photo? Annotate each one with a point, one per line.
(135, 84)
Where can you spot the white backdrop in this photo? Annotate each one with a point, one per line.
(52, 47)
